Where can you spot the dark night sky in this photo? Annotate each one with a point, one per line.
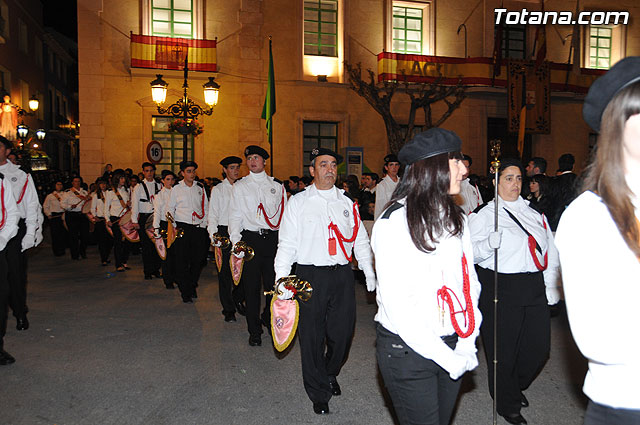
(61, 15)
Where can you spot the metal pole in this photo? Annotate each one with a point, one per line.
(185, 137)
(495, 152)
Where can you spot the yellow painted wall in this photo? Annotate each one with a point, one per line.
(116, 107)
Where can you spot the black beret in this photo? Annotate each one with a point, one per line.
(166, 173)
(315, 152)
(6, 142)
(623, 74)
(185, 164)
(255, 150)
(231, 160)
(432, 142)
(390, 158)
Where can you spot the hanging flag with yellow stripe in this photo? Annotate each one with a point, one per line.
(148, 51)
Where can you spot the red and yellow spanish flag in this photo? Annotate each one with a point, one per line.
(149, 51)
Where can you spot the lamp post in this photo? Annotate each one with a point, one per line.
(185, 108)
(23, 132)
(40, 135)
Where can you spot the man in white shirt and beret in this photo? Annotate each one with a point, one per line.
(320, 231)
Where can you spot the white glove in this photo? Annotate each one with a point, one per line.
(28, 241)
(214, 242)
(371, 280)
(239, 255)
(459, 367)
(495, 238)
(282, 292)
(156, 233)
(39, 238)
(553, 295)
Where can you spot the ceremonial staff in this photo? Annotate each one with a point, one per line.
(495, 165)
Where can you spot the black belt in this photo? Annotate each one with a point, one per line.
(74, 212)
(183, 224)
(332, 267)
(263, 232)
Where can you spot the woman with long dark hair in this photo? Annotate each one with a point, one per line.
(116, 204)
(599, 242)
(427, 293)
(527, 282)
(540, 195)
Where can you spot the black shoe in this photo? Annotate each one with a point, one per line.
(194, 294)
(148, 277)
(321, 408)
(6, 358)
(169, 286)
(241, 308)
(187, 300)
(127, 267)
(515, 418)
(335, 387)
(523, 400)
(229, 317)
(22, 323)
(157, 274)
(255, 340)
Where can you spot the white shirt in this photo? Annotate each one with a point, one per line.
(407, 291)
(25, 196)
(470, 196)
(160, 204)
(601, 278)
(219, 206)
(304, 231)
(9, 214)
(246, 195)
(112, 205)
(384, 190)
(140, 204)
(97, 205)
(52, 203)
(514, 255)
(189, 204)
(71, 202)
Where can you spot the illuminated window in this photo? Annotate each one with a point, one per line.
(600, 47)
(318, 134)
(321, 27)
(407, 30)
(172, 18)
(171, 144)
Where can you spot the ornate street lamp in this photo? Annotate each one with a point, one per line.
(34, 104)
(41, 134)
(23, 131)
(185, 108)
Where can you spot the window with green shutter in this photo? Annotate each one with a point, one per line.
(172, 18)
(171, 142)
(317, 134)
(600, 47)
(321, 27)
(407, 30)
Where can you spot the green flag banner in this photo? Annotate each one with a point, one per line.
(269, 108)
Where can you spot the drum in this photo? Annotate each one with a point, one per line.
(126, 226)
(158, 242)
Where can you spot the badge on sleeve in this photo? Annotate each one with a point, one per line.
(273, 191)
(345, 213)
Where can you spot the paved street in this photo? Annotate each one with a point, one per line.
(112, 348)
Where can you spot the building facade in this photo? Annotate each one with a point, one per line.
(312, 40)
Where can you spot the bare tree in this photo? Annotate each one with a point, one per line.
(422, 96)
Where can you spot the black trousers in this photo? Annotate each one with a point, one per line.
(17, 272)
(325, 327)
(105, 241)
(78, 226)
(191, 253)
(422, 392)
(120, 244)
(598, 414)
(258, 274)
(524, 333)
(59, 235)
(150, 260)
(229, 293)
(4, 296)
(169, 263)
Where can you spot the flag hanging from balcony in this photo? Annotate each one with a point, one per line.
(269, 108)
(149, 51)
